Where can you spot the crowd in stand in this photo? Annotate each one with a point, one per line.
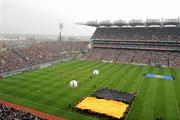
(164, 58)
(139, 52)
(8, 113)
(150, 46)
(141, 46)
(141, 33)
(37, 53)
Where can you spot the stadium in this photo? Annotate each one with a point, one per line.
(127, 71)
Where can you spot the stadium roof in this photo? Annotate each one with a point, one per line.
(134, 23)
(120, 23)
(150, 22)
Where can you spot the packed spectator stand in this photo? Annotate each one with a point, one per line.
(13, 58)
(139, 33)
(136, 45)
(8, 113)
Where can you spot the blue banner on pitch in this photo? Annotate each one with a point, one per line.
(167, 77)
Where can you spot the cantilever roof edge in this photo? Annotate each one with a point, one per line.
(132, 23)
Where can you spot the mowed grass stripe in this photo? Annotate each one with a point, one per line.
(131, 78)
(59, 83)
(138, 87)
(39, 71)
(47, 83)
(175, 97)
(43, 79)
(59, 80)
(110, 76)
(176, 84)
(117, 75)
(137, 82)
(22, 77)
(137, 107)
(121, 77)
(70, 67)
(160, 109)
(125, 78)
(170, 100)
(149, 102)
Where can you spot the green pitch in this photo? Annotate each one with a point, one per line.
(48, 89)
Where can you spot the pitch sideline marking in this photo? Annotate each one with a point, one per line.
(175, 97)
(176, 100)
(136, 96)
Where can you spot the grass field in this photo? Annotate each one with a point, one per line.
(48, 89)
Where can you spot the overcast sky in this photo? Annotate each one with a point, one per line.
(43, 16)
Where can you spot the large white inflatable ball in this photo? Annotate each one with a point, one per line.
(73, 83)
(96, 72)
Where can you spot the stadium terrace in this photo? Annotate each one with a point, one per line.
(133, 44)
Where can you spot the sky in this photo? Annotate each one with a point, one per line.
(43, 16)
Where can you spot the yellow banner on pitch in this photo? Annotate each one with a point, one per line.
(109, 107)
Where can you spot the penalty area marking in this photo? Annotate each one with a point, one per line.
(35, 112)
